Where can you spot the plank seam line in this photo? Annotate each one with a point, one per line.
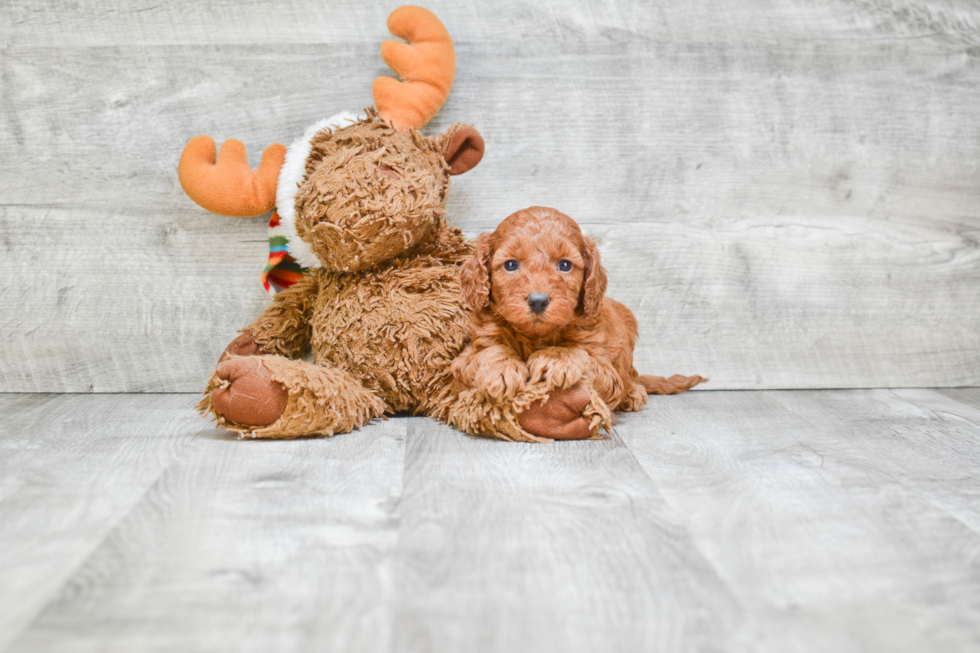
(68, 576)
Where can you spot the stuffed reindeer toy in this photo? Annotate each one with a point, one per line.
(366, 265)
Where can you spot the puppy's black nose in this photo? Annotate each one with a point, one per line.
(538, 301)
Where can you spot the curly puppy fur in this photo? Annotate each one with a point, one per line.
(540, 319)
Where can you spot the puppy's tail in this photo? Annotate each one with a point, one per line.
(658, 385)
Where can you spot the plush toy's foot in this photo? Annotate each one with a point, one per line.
(275, 397)
(243, 345)
(247, 394)
(560, 417)
(535, 415)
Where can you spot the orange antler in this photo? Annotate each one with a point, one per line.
(427, 63)
(229, 186)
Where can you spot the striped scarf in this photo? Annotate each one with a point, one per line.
(282, 271)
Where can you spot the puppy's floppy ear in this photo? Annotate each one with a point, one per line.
(474, 276)
(594, 283)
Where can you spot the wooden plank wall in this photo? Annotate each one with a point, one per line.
(786, 192)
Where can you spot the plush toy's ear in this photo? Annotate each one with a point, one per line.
(474, 276)
(594, 284)
(464, 149)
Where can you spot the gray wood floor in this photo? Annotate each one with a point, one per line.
(714, 521)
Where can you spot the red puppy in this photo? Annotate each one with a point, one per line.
(536, 290)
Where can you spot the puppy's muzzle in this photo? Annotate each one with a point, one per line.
(537, 302)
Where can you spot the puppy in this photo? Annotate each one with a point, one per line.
(536, 289)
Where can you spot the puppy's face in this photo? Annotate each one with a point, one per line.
(536, 276)
(537, 271)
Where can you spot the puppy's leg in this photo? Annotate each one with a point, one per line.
(497, 371)
(634, 400)
(607, 380)
(558, 367)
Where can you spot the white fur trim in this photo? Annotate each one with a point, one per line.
(291, 176)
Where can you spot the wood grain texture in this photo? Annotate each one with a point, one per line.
(778, 521)
(786, 194)
(546, 548)
(244, 546)
(71, 468)
(185, 22)
(841, 520)
(968, 396)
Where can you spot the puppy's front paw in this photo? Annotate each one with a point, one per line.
(503, 381)
(557, 367)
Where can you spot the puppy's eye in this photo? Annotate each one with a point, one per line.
(510, 265)
(564, 265)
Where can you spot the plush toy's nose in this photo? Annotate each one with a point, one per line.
(538, 301)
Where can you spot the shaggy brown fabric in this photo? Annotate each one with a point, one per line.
(395, 328)
(351, 210)
(321, 401)
(473, 411)
(284, 328)
(383, 316)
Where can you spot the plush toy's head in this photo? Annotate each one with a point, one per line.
(371, 192)
(354, 191)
